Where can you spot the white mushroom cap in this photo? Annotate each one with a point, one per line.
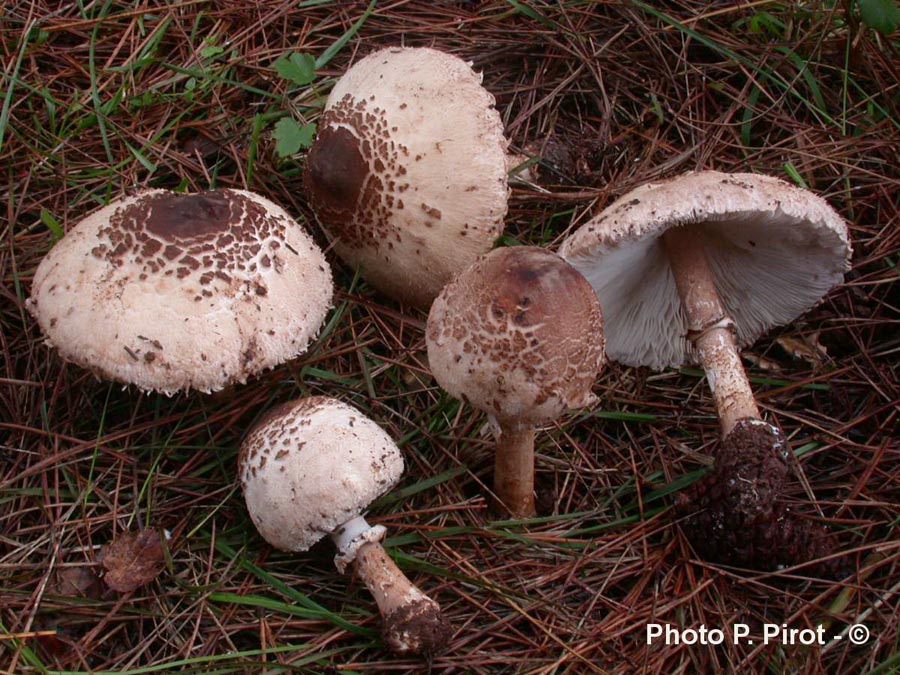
(773, 248)
(312, 465)
(170, 291)
(408, 173)
(518, 335)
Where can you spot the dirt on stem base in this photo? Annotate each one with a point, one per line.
(416, 628)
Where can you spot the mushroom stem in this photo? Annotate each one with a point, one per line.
(711, 329)
(514, 469)
(412, 622)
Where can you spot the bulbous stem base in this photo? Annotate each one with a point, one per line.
(411, 621)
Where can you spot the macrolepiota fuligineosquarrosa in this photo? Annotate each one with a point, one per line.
(408, 174)
(518, 335)
(689, 269)
(309, 469)
(171, 291)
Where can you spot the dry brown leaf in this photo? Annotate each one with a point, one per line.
(132, 560)
(807, 348)
(76, 582)
(58, 631)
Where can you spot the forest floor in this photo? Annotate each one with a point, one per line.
(100, 98)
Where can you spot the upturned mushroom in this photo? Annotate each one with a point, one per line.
(689, 270)
(408, 172)
(518, 335)
(309, 469)
(173, 291)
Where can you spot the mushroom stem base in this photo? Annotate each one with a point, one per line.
(514, 470)
(711, 329)
(412, 622)
(735, 515)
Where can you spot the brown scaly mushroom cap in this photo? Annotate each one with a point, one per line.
(311, 465)
(408, 173)
(518, 335)
(309, 469)
(175, 291)
(773, 248)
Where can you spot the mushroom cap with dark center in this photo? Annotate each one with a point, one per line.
(311, 465)
(408, 172)
(773, 248)
(171, 291)
(519, 335)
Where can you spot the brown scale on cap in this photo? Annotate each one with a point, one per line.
(408, 172)
(336, 173)
(350, 168)
(276, 426)
(518, 335)
(523, 335)
(188, 216)
(166, 234)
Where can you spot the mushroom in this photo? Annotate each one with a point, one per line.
(308, 469)
(518, 335)
(173, 291)
(408, 172)
(691, 269)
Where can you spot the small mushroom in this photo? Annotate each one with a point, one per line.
(173, 291)
(518, 335)
(692, 268)
(310, 468)
(408, 172)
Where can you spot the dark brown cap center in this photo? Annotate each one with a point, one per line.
(531, 284)
(335, 170)
(170, 216)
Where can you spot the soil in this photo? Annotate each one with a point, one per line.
(416, 628)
